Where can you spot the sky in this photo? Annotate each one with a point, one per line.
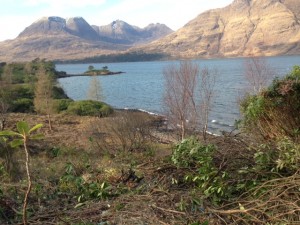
(16, 15)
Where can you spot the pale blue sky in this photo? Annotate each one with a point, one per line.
(15, 15)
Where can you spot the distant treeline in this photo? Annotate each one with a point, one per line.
(125, 57)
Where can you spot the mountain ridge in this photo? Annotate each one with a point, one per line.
(56, 38)
(243, 28)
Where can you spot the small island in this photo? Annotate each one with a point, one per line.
(104, 71)
(90, 72)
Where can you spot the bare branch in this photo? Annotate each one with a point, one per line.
(179, 96)
(258, 73)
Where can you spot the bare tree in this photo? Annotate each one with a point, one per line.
(95, 90)
(43, 101)
(207, 81)
(5, 90)
(7, 76)
(179, 96)
(258, 73)
(4, 106)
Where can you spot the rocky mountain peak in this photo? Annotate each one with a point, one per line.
(79, 27)
(45, 25)
(119, 31)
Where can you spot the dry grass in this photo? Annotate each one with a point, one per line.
(143, 180)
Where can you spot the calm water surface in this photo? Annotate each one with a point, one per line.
(142, 85)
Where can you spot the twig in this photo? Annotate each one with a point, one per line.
(168, 210)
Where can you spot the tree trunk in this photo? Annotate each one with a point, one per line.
(182, 130)
(205, 132)
(2, 124)
(49, 122)
(29, 184)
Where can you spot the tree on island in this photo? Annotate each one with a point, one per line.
(91, 67)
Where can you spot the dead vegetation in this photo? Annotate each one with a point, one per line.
(134, 183)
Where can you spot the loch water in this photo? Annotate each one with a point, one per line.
(141, 86)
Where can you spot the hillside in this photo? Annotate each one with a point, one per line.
(74, 38)
(243, 28)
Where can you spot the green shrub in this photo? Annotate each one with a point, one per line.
(59, 93)
(282, 159)
(89, 108)
(199, 158)
(106, 110)
(22, 91)
(19, 98)
(274, 113)
(253, 107)
(23, 105)
(191, 153)
(72, 183)
(61, 104)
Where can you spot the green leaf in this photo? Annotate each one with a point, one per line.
(36, 127)
(9, 133)
(23, 127)
(16, 143)
(37, 137)
(219, 190)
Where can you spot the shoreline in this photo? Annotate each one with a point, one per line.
(164, 120)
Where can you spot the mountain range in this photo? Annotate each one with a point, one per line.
(73, 38)
(243, 28)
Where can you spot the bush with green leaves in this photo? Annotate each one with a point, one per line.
(23, 105)
(283, 159)
(61, 105)
(225, 177)
(74, 184)
(21, 98)
(199, 159)
(59, 93)
(274, 112)
(89, 108)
